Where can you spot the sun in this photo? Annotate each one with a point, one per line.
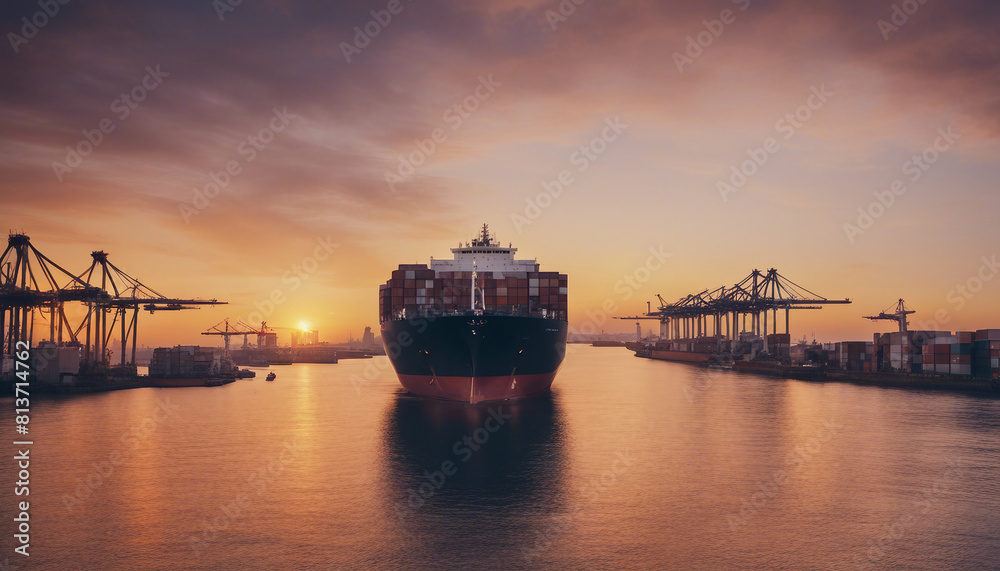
(304, 325)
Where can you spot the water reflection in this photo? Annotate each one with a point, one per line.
(490, 473)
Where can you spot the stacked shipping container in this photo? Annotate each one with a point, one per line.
(893, 353)
(962, 353)
(903, 352)
(712, 345)
(780, 345)
(853, 355)
(415, 288)
(55, 364)
(986, 353)
(182, 361)
(937, 356)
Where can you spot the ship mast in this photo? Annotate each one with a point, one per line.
(472, 290)
(475, 288)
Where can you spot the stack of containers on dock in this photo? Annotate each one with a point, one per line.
(881, 360)
(804, 353)
(901, 352)
(917, 341)
(854, 356)
(415, 288)
(896, 355)
(986, 353)
(667, 344)
(937, 355)
(949, 355)
(181, 361)
(916, 350)
(709, 345)
(780, 345)
(961, 354)
(744, 346)
(671, 345)
(267, 341)
(725, 345)
(830, 355)
(56, 363)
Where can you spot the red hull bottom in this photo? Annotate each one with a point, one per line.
(475, 390)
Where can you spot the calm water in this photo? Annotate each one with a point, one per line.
(630, 463)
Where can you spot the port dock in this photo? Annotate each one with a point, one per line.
(75, 356)
(729, 327)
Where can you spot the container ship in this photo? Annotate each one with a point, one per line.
(709, 349)
(479, 327)
(188, 366)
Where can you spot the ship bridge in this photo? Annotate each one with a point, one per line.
(485, 254)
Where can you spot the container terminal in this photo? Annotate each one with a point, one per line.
(74, 351)
(75, 356)
(729, 327)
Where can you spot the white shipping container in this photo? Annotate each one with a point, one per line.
(963, 370)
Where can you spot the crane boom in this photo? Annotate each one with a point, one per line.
(899, 315)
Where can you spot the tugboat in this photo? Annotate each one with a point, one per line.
(480, 327)
(270, 376)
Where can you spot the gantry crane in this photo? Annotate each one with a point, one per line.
(226, 331)
(275, 355)
(30, 281)
(898, 316)
(249, 330)
(754, 297)
(129, 294)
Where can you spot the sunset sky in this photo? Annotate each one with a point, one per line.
(647, 106)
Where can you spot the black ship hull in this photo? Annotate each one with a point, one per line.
(475, 358)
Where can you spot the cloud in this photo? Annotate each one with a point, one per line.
(325, 173)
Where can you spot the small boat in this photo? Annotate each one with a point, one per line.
(270, 376)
